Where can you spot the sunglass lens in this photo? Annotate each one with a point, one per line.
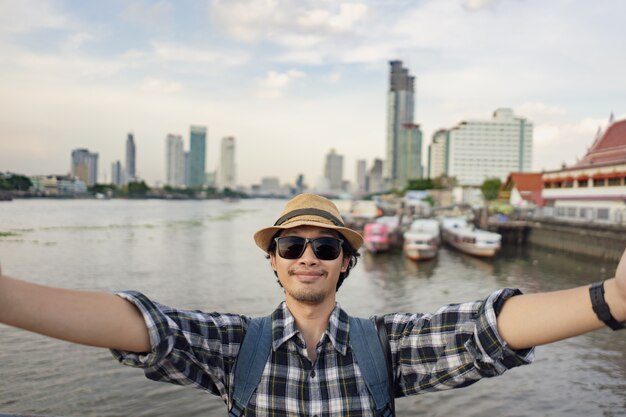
(291, 247)
(327, 249)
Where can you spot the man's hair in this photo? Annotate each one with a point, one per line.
(347, 250)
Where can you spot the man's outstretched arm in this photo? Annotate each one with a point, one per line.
(89, 318)
(536, 319)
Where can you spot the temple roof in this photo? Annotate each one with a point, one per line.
(608, 149)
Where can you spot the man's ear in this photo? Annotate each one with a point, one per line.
(345, 263)
(273, 260)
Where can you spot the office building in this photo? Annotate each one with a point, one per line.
(117, 174)
(197, 156)
(437, 154)
(481, 149)
(174, 161)
(400, 113)
(409, 158)
(375, 181)
(361, 176)
(333, 171)
(227, 177)
(131, 173)
(84, 166)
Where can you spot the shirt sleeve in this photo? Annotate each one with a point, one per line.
(187, 347)
(452, 348)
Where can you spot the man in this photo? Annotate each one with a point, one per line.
(311, 369)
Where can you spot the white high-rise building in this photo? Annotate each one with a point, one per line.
(481, 149)
(333, 170)
(175, 161)
(227, 176)
(437, 154)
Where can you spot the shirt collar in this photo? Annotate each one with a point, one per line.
(284, 327)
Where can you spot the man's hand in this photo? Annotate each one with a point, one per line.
(617, 301)
(89, 318)
(535, 319)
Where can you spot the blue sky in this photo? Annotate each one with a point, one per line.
(293, 79)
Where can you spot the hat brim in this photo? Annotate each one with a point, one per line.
(263, 237)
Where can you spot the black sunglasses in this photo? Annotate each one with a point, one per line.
(324, 248)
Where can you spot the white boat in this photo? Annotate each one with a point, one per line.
(465, 237)
(422, 240)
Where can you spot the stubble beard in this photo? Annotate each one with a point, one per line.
(311, 296)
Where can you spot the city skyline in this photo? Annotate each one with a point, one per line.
(291, 80)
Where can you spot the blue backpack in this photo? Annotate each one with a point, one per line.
(370, 348)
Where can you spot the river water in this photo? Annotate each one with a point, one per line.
(200, 255)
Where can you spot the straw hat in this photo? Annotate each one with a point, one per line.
(308, 210)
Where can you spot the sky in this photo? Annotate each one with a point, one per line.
(292, 79)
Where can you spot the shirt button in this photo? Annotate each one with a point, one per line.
(313, 376)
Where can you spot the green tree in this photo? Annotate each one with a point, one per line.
(137, 189)
(490, 188)
(420, 184)
(19, 182)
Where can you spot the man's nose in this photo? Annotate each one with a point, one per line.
(308, 256)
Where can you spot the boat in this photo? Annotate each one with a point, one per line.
(461, 235)
(380, 235)
(421, 240)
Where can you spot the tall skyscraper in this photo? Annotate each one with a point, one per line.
(175, 161)
(227, 177)
(131, 174)
(481, 149)
(375, 181)
(117, 174)
(85, 166)
(400, 109)
(197, 156)
(333, 170)
(438, 154)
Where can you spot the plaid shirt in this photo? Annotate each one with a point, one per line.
(454, 347)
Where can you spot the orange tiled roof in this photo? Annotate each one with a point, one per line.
(529, 185)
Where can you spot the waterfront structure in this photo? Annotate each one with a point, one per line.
(400, 113)
(84, 166)
(117, 174)
(481, 149)
(131, 173)
(227, 176)
(197, 156)
(174, 161)
(593, 189)
(57, 185)
(333, 171)
(437, 154)
(409, 158)
(522, 189)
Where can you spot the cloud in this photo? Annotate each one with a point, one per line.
(277, 20)
(150, 15)
(157, 86)
(274, 83)
(29, 15)
(476, 5)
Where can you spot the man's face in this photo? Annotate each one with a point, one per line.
(308, 279)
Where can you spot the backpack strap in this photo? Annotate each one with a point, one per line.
(368, 353)
(253, 353)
